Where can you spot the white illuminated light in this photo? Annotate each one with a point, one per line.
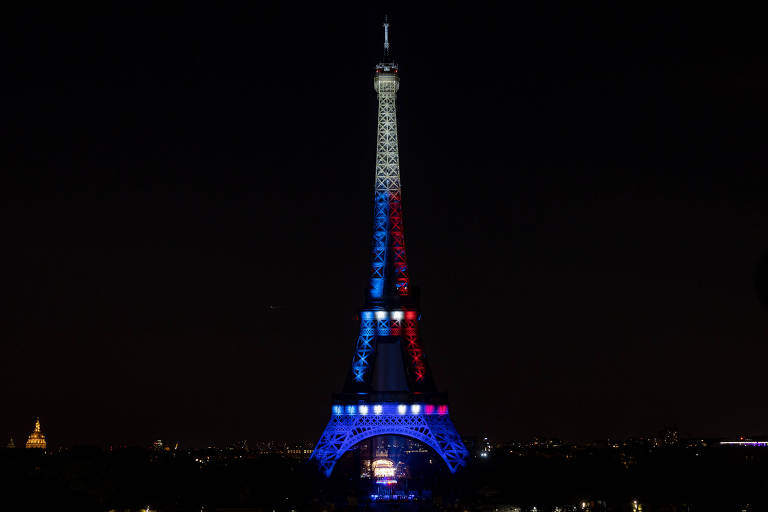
(401, 409)
(397, 315)
(415, 409)
(381, 315)
(383, 468)
(363, 409)
(377, 409)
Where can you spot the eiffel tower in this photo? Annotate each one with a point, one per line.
(389, 389)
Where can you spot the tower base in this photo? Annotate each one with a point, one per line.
(349, 426)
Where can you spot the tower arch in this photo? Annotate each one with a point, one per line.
(345, 431)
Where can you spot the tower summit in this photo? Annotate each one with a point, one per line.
(389, 389)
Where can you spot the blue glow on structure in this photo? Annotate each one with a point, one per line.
(377, 287)
(393, 497)
(380, 241)
(347, 429)
(364, 347)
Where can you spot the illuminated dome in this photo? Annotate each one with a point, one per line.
(36, 438)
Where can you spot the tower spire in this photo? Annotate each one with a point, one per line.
(387, 54)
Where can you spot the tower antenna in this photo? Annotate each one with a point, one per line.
(386, 38)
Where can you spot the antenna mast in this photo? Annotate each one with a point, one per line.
(386, 39)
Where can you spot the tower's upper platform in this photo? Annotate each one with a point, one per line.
(386, 78)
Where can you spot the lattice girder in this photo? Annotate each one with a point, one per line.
(388, 237)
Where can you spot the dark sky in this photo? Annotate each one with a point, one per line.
(187, 199)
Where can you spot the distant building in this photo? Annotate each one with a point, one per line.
(11, 444)
(37, 438)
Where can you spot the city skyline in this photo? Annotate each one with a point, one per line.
(284, 444)
(188, 216)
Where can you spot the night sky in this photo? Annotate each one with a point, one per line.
(187, 209)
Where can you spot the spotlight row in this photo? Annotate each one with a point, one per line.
(390, 409)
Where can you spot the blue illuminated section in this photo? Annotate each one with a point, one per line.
(380, 241)
(364, 347)
(377, 287)
(393, 497)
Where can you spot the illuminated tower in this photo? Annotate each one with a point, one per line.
(389, 389)
(36, 438)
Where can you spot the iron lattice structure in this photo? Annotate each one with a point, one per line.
(345, 430)
(389, 390)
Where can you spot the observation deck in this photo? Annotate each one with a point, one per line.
(386, 73)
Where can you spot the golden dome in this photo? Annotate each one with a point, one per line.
(36, 438)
